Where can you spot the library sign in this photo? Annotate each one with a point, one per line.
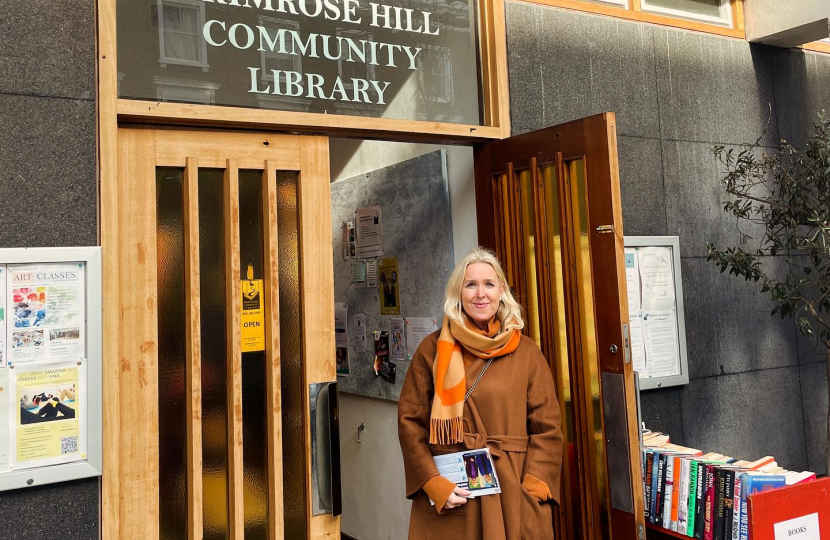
(330, 56)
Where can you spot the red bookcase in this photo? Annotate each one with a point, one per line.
(767, 508)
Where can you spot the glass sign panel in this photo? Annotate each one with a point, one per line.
(415, 60)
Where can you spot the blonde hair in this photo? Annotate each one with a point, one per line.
(509, 313)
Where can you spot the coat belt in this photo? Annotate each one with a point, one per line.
(497, 443)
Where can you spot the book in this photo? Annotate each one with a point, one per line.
(718, 509)
(753, 482)
(799, 477)
(729, 501)
(736, 506)
(690, 519)
(675, 496)
(708, 501)
(668, 492)
(657, 517)
(700, 499)
(683, 497)
(655, 476)
(647, 484)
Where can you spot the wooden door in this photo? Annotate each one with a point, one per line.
(204, 438)
(548, 203)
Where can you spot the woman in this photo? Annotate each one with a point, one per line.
(513, 410)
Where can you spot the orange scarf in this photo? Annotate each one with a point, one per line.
(446, 425)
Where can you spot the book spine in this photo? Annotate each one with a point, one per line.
(736, 506)
(683, 499)
(668, 493)
(717, 509)
(746, 485)
(675, 496)
(700, 501)
(647, 485)
(709, 503)
(690, 519)
(661, 479)
(728, 501)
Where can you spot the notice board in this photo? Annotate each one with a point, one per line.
(417, 233)
(50, 365)
(657, 327)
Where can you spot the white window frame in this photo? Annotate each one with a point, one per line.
(185, 90)
(202, 48)
(273, 23)
(448, 52)
(724, 20)
(361, 34)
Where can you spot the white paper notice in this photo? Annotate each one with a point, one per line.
(371, 274)
(360, 332)
(46, 312)
(801, 528)
(417, 328)
(341, 317)
(632, 281)
(638, 346)
(657, 278)
(660, 337)
(397, 348)
(368, 225)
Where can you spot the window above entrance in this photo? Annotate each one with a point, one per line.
(412, 60)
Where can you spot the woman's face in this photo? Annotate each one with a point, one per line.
(480, 293)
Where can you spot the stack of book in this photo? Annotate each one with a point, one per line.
(704, 495)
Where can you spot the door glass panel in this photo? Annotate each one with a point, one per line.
(171, 354)
(706, 8)
(254, 398)
(587, 321)
(214, 370)
(291, 357)
(525, 179)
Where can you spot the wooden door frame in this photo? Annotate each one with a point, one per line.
(131, 466)
(596, 137)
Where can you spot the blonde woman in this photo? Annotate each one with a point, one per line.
(512, 409)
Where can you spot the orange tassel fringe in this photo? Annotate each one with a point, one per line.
(446, 431)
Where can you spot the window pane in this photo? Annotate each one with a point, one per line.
(705, 8)
(172, 18)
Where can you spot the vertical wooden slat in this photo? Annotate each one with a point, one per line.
(138, 450)
(193, 349)
(234, 350)
(276, 525)
(107, 98)
(317, 294)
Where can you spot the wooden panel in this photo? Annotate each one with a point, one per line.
(317, 294)
(193, 350)
(485, 198)
(332, 124)
(493, 48)
(817, 46)
(138, 495)
(214, 149)
(234, 359)
(107, 133)
(276, 526)
(653, 18)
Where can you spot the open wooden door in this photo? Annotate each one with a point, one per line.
(218, 315)
(548, 203)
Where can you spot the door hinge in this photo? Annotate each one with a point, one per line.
(605, 229)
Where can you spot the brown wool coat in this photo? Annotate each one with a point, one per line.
(514, 411)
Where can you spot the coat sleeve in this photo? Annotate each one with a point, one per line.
(544, 453)
(414, 408)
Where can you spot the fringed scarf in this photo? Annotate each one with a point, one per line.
(446, 425)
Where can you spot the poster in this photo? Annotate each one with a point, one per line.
(632, 281)
(341, 337)
(656, 277)
(253, 315)
(47, 423)
(371, 273)
(417, 328)
(349, 243)
(360, 332)
(46, 312)
(398, 346)
(381, 350)
(389, 281)
(369, 232)
(660, 338)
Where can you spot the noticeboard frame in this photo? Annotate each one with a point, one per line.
(92, 466)
(672, 242)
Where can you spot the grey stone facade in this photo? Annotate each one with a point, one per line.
(755, 389)
(48, 195)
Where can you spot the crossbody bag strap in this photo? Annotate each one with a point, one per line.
(480, 375)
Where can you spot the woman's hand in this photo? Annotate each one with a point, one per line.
(457, 498)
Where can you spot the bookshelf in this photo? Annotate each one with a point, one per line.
(653, 532)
